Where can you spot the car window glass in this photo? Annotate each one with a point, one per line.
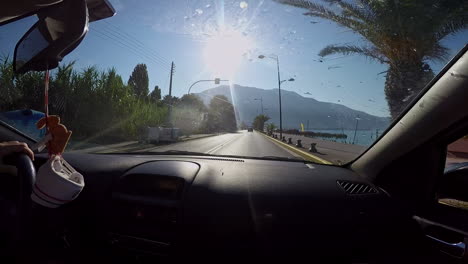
(319, 80)
(457, 153)
(454, 184)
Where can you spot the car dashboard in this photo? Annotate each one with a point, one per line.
(174, 207)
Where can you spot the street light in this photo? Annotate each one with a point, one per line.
(216, 81)
(355, 129)
(288, 80)
(261, 102)
(276, 58)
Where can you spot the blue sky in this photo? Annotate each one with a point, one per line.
(158, 32)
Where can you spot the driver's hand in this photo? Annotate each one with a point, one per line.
(10, 147)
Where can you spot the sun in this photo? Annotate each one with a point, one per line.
(224, 51)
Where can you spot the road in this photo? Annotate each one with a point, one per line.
(242, 143)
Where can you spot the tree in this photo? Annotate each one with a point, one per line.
(189, 113)
(259, 122)
(270, 127)
(221, 116)
(139, 81)
(192, 102)
(170, 100)
(155, 95)
(404, 34)
(243, 126)
(96, 105)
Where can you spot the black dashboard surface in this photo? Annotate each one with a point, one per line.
(215, 206)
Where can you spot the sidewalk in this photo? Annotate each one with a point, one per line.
(335, 152)
(130, 146)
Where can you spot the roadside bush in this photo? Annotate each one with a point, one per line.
(96, 105)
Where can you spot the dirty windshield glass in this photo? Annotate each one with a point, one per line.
(319, 80)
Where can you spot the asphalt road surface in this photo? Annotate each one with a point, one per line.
(242, 143)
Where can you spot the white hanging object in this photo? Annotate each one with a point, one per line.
(57, 183)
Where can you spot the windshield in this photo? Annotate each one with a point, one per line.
(317, 80)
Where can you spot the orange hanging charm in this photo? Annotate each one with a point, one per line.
(60, 134)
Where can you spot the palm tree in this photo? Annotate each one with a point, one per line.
(404, 34)
(259, 122)
(270, 128)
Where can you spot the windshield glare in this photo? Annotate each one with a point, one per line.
(317, 80)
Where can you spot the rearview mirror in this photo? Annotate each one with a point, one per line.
(59, 31)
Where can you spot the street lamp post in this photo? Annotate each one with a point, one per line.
(355, 129)
(261, 102)
(216, 81)
(276, 58)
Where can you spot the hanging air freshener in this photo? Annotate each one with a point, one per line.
(57, 182)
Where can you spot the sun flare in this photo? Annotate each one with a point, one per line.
(224, 51)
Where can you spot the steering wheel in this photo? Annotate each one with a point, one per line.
(26, 174)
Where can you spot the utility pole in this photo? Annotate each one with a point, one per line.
(170, 81)
(170, 95)
(279, 93)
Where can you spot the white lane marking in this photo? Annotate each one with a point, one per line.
(213, 150)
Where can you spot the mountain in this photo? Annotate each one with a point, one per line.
(296, 109)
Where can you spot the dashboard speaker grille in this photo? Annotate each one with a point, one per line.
(356, 187)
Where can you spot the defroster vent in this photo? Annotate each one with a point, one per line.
(356, 187)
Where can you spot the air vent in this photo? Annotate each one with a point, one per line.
(356, 187)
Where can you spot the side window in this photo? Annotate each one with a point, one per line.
(25, 121)
(453, 190)
(457, 152)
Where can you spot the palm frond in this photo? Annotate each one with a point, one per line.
(452, 26)
(437, 52)
(360, 13)
(369, 4)
(370, 52)
(317, 10)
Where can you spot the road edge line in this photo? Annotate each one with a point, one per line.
(302, 153)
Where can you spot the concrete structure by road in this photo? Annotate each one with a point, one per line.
(335, 152)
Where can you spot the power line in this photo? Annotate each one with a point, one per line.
(135, 51)
(135, 40)
(129, 44)
(131, 39)
(134, 45)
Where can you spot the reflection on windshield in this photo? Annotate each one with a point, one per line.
(314, 80)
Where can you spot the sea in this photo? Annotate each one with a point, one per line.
(363, 137)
